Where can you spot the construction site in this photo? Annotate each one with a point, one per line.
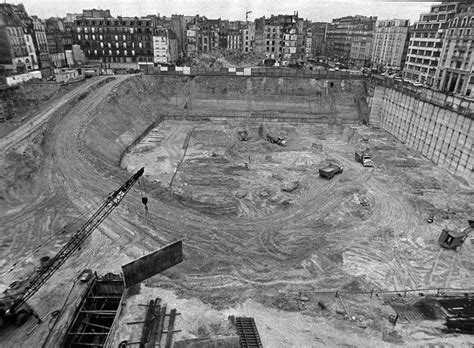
(310, 212)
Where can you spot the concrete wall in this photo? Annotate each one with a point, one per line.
(264, 98)
(436, 130)
(141, 102)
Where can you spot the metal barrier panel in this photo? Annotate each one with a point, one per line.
(152, 264)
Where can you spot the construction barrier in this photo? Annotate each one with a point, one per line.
(256, 72)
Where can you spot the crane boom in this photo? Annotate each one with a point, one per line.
(111, 202)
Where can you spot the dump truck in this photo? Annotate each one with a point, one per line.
(455, 239)
(276, 140)
(364, 158)
(329, 171)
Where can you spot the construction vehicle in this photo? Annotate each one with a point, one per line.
(364, 158)
(243, 135)
(455, 239)
(278, 140)
(329, 171)
(13, 307)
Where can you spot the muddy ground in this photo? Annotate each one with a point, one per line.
(254, 238)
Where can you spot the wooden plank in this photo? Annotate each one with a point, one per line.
(88, 333)
(98, 312)
(169, 335)
(159, 316)
(161, 325)
(146, 325)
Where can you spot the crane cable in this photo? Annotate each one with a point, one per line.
(141, 186)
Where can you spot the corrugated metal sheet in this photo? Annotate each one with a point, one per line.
(153, 263)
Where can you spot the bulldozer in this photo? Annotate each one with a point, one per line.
(243, 135)
(276, 140)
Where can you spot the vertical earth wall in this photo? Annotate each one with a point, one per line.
(441, 129)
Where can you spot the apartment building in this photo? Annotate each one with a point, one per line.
(165, 46)
(233, 40)
(230, 35)
(41, 43)
(349, 38)
(60, 39)
(272, 36)
(308, 43)
(209, 34)
(193, 33)
(317, 32)
(281, 38)
(455, 70)
(120, 42)
(248, 37)
(293, 41)
(14, 53)
(390, 42)
(426, 42)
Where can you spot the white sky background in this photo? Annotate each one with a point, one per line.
(321, 11)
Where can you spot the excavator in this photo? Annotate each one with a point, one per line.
(13, 306)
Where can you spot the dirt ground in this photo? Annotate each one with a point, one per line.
(253, 238)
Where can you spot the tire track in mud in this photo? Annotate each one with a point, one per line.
(231, 251)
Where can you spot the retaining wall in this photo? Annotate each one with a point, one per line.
(438, 131)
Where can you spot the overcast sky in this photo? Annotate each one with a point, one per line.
(314, 10)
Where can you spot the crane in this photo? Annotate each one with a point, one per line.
(15, 308)
(247, 16)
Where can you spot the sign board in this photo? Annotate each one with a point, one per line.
(153, 263)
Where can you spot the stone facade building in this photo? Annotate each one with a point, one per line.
(390, 42)
(350, 38)
(119, 42)
(426, 43)
(14, 53)
(248, 37)
(281, 38)
(455, 70)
